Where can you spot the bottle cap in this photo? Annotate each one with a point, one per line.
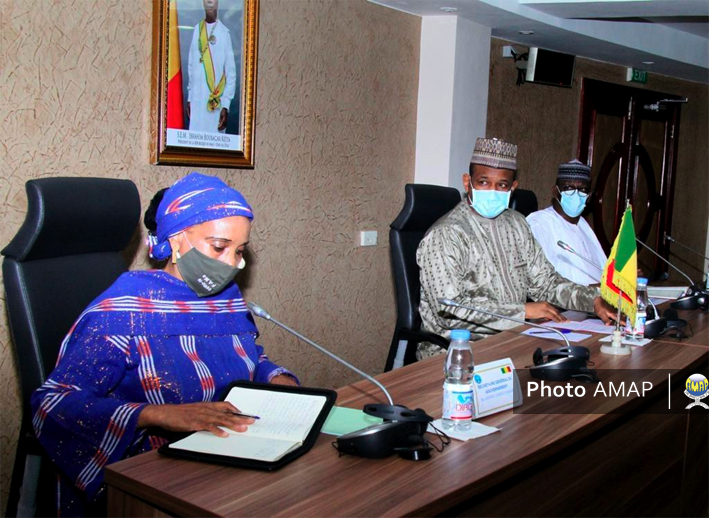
(642, 281)
(460, 334)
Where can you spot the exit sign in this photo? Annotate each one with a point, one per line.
(635, 75)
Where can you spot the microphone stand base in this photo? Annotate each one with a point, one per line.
(401, 432)
(616, 348)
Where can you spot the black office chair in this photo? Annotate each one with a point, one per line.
(67, 252)
(424, 205)
(524, 201)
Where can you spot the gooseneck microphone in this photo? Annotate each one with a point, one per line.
(673, 240)
(262, 313)
(695, 297)
(449, 302)
(567, 248)
(691, 282)
(402, 430)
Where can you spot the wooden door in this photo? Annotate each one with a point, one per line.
(630, 138)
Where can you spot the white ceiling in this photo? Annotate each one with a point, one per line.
(674, 34)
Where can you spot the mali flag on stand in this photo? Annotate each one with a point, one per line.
(175, 110)
(620, 276)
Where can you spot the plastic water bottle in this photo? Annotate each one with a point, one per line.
(636, 330)
(458, 386)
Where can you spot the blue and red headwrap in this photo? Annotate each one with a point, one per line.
(194, 199)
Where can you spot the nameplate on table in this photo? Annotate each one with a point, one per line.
(494, 385)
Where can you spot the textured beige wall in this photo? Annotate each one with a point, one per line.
(335, 140)
(543, 121)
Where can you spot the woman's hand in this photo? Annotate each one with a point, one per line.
(284, 379)
(193, 417)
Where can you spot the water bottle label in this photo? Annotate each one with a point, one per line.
(457, 402)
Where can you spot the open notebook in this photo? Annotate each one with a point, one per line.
(286, 420)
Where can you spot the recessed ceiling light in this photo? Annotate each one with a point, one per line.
(448, 9)
(526, 33)
(648, 62)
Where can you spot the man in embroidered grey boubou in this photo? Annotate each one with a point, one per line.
(483, 255)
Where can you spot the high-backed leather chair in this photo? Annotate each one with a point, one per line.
(423, 206)
(67, 252)
(524, 201)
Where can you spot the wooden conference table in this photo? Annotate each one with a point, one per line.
(697, 328)
(637, 464)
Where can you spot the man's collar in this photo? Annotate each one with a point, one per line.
(556, 207)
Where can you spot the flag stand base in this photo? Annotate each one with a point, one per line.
(616, 348)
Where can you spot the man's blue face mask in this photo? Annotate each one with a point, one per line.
(572, 202)
(489, 203)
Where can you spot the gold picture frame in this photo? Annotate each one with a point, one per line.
(195, 27)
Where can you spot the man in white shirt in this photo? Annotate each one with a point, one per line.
(563, 222)
(212, 73)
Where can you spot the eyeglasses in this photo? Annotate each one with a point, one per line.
(570, 191)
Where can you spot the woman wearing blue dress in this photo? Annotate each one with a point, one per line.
(151, 354)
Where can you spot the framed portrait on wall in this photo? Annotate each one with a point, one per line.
(204, 82)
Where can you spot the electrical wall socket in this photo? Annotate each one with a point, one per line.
(368, 238)
(507, 51)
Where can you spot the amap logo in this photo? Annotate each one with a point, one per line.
(697, 387)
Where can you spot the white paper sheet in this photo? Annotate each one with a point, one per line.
(551, 335)
(628, 341)
(476, 430)
(666, 292)
(285, 420)
(591, 325)
(236, 445)
(283, 415)
(575, 316)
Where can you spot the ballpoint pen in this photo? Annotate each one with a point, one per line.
(240, 414)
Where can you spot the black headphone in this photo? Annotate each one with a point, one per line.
(562, 364)
(398, 413)
(660, 326)
(698, 300)
(401, 432)
(413, 446)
